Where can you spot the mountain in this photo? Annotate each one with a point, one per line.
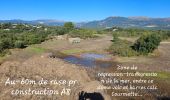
(126, 22)
(35, 22)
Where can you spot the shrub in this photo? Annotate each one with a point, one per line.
(19, 44)
(61, 31)
(122, 48)
(147, 43)
(33, 38)
(6, 43)
(115, 37)
(83, 33)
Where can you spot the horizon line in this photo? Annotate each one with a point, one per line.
(22, 19)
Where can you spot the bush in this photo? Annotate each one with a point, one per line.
(33, 38)
(83, 33)
(115, 37)
(6, 43)
(122, 48)
(61, 31)
(128, 32)
(147, 43)
(19, 44)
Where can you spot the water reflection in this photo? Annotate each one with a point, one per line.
(88, 60)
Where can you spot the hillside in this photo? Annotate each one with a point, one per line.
(125, 22)
(49, 22)
(130, 22)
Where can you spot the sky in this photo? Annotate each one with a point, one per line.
(81, 10)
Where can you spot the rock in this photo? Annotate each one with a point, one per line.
(74, 40)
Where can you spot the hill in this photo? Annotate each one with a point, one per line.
(49, 22)
(124, 22)
(130, 22)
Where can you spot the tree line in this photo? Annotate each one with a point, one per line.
(22, 35)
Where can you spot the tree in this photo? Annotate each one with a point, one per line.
(147, 43)
(69, 25)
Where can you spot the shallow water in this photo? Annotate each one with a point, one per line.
(88, 60)
(93, 56)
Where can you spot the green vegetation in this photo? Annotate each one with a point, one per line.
(22, 35)
(71, 51)
(134, 32)
(130, 32)
(5, 52)
(147, 43)
(163, 75)
(115, 37)
(83, 33)
(20, 40)
(19, 44)
(36, 49)
(69, 25)
(122, 48)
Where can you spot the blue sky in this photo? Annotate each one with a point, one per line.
(81, 10)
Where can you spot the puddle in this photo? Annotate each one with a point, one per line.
(86, 59)
(89, 60)
(93, 56)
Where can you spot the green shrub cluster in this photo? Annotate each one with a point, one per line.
(19, 44)
(19, 40)
(164, 34)
(130, 32)
(147, 43)
(122, 48)
(83, 33)
(21, 35)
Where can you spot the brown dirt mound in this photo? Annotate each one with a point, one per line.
(38, 67)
